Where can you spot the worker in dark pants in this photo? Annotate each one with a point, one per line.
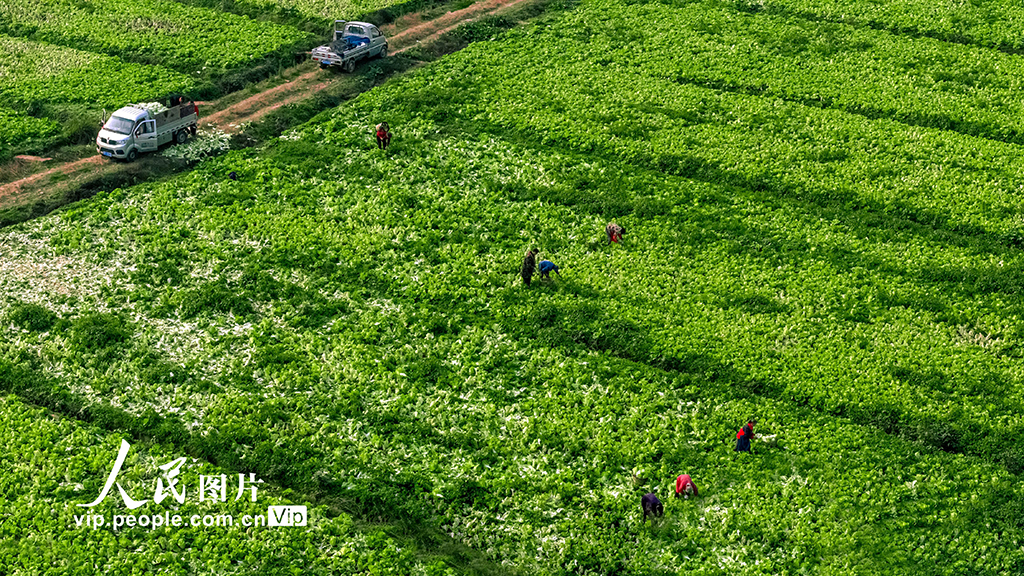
(529, 266)
(383, 135)
(546, 268)
(651, 507)
(744, 436)
(614, 232)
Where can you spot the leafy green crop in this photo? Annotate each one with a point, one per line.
(15, 127)
(32, 317)
(878, 74)
(329, 10)
(993, 23)
(348, 322)
(390, 348)
(208, 142)
(52, 465)
(644, 117)
(36, 73)
(175, 36)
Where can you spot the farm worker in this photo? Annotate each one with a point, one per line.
(233, 175)
(529, 266)
(383, 135)
(614, 232)
(651, 507)
(685, 486)
(547, 267)
(744, 436)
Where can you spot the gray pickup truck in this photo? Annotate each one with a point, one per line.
(353, 41)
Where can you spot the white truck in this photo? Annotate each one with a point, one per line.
(353, 41)
(134, 129)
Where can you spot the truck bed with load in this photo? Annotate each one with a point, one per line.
(352, 41)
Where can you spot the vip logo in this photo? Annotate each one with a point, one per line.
(286, 516)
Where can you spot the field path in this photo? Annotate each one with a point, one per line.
(69, 176)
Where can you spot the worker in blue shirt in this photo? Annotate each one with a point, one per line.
(547, 267)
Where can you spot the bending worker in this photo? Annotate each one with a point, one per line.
(744, 436)
(685, 487)
(546, 268)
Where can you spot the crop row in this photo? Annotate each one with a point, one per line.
(53, 465)
(876, 73)
(173, 35)
(994, 23)
(364, 314)
(865, 178)
(942, 179)
(34, 75)
(330, 10)
(868, 294)
(16, 127)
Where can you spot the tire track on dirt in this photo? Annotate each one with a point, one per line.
(14, 189)
(432, 29)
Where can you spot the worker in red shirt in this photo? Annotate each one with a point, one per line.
(685, 487)
(614, 232)
(744, 436)
(383, 135)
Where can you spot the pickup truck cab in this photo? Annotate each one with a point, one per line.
(353, 41)
(131, 130)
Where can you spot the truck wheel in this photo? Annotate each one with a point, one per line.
(181, 136)
(383, 52)
(132, 155)
(349, 66)
(192, 130)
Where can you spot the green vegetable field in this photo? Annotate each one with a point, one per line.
(823, 223)
(992, 23)
(329, 10)
(161, 32)
(37, 74)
